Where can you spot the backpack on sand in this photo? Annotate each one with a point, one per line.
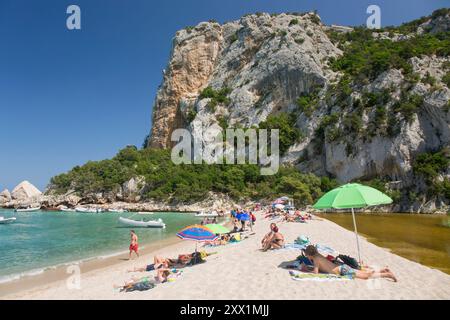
(351, 262)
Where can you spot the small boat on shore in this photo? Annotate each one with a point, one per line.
(28, 209)
(66, 209)
(4, 220)
(88, 210)
(117, 210)
(203, 214)
(142, 224)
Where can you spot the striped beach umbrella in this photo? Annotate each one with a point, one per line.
(197, 233)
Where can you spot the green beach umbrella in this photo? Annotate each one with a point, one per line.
(217, 228)
(350, 196)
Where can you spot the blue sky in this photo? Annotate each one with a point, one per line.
(67, 97)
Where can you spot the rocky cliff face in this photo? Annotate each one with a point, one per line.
(269, 61)
(254, 57)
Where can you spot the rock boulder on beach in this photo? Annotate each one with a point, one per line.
(5, 196)
(25, 190)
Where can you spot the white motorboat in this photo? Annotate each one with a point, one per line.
(87, 210)
(145, 212)
(28, 209)
(4, 220)
(142, 224)
(203, 214)
(65, 209)
(117, 210)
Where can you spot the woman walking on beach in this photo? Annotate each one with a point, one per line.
(134, 246)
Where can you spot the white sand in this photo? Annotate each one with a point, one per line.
(241, 271)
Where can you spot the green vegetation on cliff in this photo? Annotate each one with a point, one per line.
(366, 57)
(429, 166)
(166, 181)
(288, 134)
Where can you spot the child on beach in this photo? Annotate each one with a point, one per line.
(322, 264)
(134, 246)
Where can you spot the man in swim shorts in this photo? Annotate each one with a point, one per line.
(345, 270)
(134, 246)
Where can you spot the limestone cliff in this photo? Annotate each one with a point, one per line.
(268, 61)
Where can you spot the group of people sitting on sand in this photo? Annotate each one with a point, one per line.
(288, 215)
(296, 216)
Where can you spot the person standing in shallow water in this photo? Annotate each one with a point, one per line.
(134, 246)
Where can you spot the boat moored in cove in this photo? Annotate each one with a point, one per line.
(29, 209)
(207, 214)
(88, 210)
(4, 220)
(66, 209)
(117, 210)
(142, 224)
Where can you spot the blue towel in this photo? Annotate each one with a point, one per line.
(324, 249)
(294, 246)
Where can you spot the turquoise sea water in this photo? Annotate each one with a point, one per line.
(39, 240)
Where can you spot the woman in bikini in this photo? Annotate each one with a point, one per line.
(160, 263)
(273, 240)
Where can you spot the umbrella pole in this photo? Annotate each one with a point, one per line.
(356, 234)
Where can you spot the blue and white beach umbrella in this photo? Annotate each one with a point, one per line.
(243, 217)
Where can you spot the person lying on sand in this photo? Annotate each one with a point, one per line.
(223, 240)
(165, 263)
(322, 264)
(295, 217)
(161, 263)
(161, 276)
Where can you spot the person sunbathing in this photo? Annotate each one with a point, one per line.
(322, 264)
(223, 240)
(161, 263)
(161, 276)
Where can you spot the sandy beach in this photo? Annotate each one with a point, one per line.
(242, 271)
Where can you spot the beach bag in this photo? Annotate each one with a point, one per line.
(303, 259)
(351, 262)
(140, 286)
(196, 259)
(236, 237)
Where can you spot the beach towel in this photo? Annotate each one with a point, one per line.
(143, 285)
(324, 250)
(293, 246)
(302, 240)
(304, 276)
(174, 275)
